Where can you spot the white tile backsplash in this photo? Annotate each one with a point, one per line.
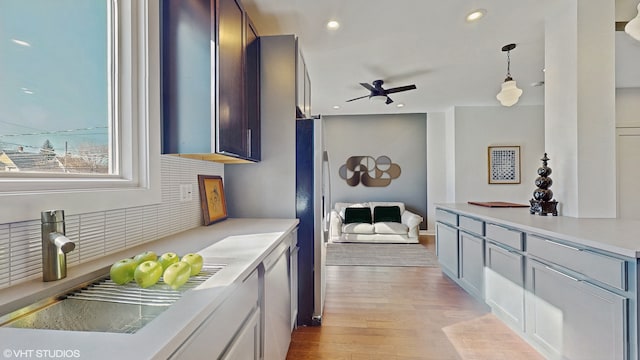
(104, 232)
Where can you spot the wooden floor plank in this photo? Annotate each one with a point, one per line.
(403, 313)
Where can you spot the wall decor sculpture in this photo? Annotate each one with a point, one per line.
(369, 171)
(504, 164)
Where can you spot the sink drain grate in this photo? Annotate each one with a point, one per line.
(157, 295)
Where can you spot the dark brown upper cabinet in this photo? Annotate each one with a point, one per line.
(210, 81)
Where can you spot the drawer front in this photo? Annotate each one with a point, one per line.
(447, 217)
(511, 238)
(606, 269)
(471, 225)
(505, 263)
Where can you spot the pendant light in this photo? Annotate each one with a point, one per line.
(510, 93)
(633, 27)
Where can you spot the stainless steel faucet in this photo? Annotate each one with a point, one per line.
(55, 245)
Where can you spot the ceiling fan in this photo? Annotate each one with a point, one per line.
(379, 93)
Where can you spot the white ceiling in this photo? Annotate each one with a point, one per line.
(423, 42)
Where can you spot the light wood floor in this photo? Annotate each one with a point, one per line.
(401, 313)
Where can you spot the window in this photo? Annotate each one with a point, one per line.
(79, 105)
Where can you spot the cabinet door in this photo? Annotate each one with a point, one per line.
(231, 129)
(252, 91)
(472, 264)
(447, 248)
(574, 319)
(221, 328)
(277, 305)
(246, 345)
(504, 284)
(186, 81)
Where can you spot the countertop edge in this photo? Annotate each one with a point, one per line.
(610, 235)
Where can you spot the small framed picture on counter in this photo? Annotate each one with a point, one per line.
(214, 206)
(504, 164)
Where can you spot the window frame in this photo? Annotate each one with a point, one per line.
(137, 104)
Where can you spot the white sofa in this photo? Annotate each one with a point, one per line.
(405, 231)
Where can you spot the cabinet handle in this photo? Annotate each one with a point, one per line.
(563, 245)
(249, 142)
(562, 274)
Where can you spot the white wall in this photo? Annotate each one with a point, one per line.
(628, 107)
(476, 128)
(401, 137)
(436, 159)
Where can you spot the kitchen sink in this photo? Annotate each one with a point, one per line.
(103, 306)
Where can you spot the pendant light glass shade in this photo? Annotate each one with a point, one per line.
(633, 27)
(510, 93)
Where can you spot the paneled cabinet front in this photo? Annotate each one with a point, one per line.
(472, 264)
(209, 81)
(573, 319)
(447, 248)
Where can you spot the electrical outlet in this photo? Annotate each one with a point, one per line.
(189, 192)
(186, 191)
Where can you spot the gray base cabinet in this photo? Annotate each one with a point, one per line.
(447, 248)
(574, 319)
(472, 264)
(504, 284)
(568, 298)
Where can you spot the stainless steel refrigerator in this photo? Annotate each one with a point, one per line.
(313, 202)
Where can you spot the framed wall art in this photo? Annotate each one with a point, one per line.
(214, 206)
(504, 164)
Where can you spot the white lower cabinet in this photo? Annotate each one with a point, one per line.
(447, 248)
(247, 343)
(277, 304)
(472, 264)
(504, 284)
(572, 319)
(233, 321)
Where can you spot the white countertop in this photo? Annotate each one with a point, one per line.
(618, 236)
(241, 244)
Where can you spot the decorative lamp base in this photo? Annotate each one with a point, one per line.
(543, 208)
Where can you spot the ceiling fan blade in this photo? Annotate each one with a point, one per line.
(358, 98)
(389, 101)
(368, 87)
(400, 88)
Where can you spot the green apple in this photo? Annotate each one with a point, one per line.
(148, 273)
(177, 274)
(145, 256)
(196, 262)
(122, 271)
(167, 259)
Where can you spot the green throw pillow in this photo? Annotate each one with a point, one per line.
(357, 215)
(387, 214)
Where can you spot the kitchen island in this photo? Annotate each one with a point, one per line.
(569, 286)
(243, 246)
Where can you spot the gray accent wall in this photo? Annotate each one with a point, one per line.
(401, 137)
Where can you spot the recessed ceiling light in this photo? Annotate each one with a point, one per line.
(400, 105)
(27, 91)
(336, 107)
(333, 25)
(21, 42)
(476, 15)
